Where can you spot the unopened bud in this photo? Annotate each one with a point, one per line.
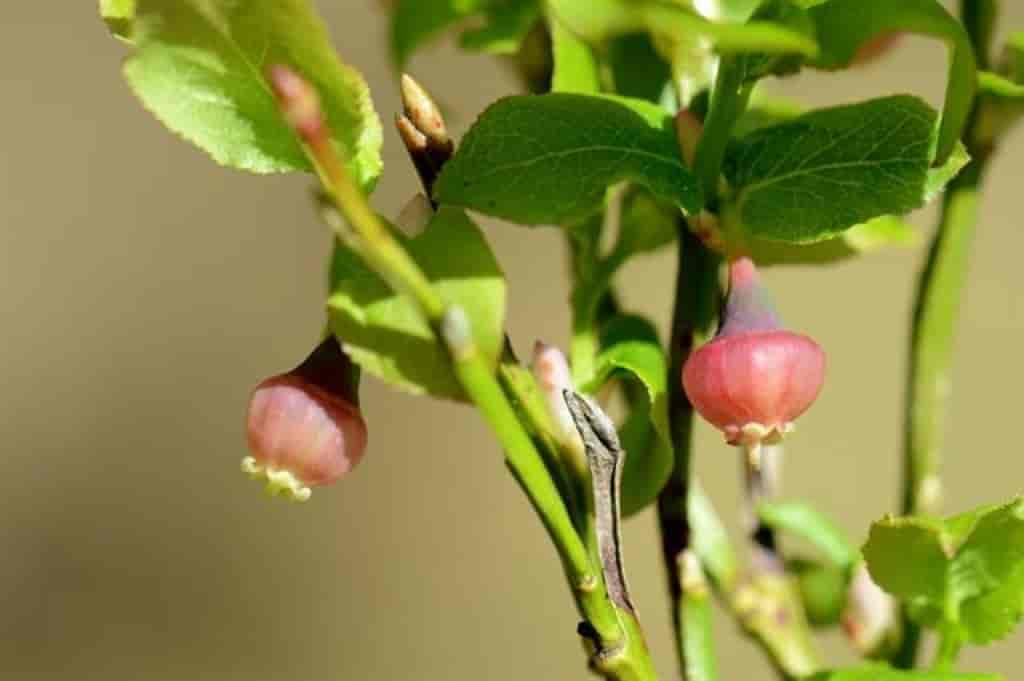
(424, 133)
(423, 113)
(299, 104)
(551, 371)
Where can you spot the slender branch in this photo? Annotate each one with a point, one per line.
(936, 308)
(386, 256)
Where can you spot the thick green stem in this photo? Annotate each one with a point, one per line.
(936, 308)
(931, 352)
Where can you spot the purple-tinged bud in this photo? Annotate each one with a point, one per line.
(304, 427)
(754, 378)
(551, 371)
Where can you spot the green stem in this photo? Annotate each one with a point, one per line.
(950, 644)
(729, 100)
(693, 315)
(931, 352)
(936, 307)
(528, 468)
(619, 652)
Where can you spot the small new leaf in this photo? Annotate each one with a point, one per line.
(819, 174)
(384, 333)
(549, 159)
(964, 572)
(199, 68)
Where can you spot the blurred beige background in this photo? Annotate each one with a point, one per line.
(145, 291)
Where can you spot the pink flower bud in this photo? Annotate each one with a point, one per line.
(551, 371)
(754, 378)
(304, 427)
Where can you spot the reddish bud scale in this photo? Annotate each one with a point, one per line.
(304, 427)
(753, 379)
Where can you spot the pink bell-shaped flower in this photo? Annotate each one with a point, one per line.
(304, 427)
(754, 378)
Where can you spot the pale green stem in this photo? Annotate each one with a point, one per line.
(625, 658)
(936, 308)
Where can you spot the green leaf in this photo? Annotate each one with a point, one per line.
(765, 111)
(823, 589)
(598, 20)
(384, 333)
(575, 66)
(908, 557)
(882, 232)
(632, 351)
(819, 174)
(995, 615)
(417, 22)
(505, 27)
(711, 539)
(198, 67)
(784, 13)
(885, 674)
(964, 572)
(647, 224)
(119, 16)
(804, 521)
(843, 26)
(637, 69)
(548, 159)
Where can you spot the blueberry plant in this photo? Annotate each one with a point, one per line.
(644, 125)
